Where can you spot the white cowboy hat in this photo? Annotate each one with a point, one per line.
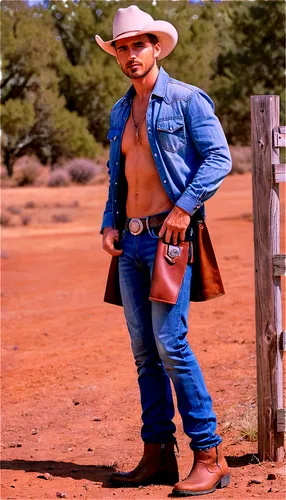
(133, 22)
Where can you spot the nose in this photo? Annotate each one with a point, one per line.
(132, 54)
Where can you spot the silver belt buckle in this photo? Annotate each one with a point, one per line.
(135, 226)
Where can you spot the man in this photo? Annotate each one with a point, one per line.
(168, 154)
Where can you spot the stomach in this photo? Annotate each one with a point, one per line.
(145, 195)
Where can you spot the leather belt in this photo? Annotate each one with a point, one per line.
(137, 225)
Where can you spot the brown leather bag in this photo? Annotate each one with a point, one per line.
(112, 291)
(206, 281)
(168, 272)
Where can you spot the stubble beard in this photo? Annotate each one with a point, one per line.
(128, 71)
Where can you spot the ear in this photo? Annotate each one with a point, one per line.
(157, 49)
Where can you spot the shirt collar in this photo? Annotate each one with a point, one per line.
(161, 83)
(159, 89)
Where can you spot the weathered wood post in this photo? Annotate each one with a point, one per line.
(267, 137)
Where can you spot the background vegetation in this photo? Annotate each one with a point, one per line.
(58, 86)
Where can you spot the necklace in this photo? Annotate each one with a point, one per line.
(136, 128)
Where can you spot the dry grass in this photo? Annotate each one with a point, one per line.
(247, 425)
(243, 420)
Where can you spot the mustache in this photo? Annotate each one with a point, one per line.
(134, 63)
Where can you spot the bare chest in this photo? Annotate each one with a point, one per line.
(134, 138)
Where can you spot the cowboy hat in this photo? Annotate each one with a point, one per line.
(133, 22)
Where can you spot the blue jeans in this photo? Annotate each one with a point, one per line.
(161, 351)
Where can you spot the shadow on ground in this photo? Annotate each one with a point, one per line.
(248, 459)
(96, 473)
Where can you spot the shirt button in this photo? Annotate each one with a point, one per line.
(117, 213)
(171, 128)
(165, 181)
(116, 163)
(149, 128)
(115, 137)
(155, 155)
(116, 183)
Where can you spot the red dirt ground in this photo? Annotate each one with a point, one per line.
(70, 402)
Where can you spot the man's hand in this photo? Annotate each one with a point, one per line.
(110, 235)
(175, 225)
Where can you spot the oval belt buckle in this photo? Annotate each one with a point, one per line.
(135, 226)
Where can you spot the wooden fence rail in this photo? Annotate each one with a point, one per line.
(267, 137)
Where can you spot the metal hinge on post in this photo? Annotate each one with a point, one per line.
(279, 137)
(282, 341)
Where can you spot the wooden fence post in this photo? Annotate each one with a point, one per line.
(268, 305)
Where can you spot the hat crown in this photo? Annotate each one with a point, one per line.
(130, 19)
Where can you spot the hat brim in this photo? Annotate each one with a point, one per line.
(166, 33)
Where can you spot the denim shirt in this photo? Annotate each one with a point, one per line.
(186, 140)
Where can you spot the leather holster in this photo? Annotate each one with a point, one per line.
(168, 272)
(167, 277)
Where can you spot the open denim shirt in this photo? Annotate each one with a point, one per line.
(187, 143)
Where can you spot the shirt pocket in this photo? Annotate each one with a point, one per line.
(172, 134)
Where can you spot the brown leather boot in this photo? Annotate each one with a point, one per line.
(209, 471)
(157, 466)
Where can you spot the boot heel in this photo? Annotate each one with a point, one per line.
(224, 481)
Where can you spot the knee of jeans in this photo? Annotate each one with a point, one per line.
(145, 360)
(166, 356)
(174, 356)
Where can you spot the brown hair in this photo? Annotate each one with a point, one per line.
(152, 39)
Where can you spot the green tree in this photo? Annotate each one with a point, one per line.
(31, 55)
(89, 79)
(251, 61)
(17, 120)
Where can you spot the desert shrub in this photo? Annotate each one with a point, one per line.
(61, 218)
(26, 170)
(241, 159)
(30, 204)
(81, 170)
(25, 220)
(14, 210)
(58, 178)
(74, 204)
(5, 219)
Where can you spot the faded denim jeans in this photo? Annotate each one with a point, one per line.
(161, 351)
